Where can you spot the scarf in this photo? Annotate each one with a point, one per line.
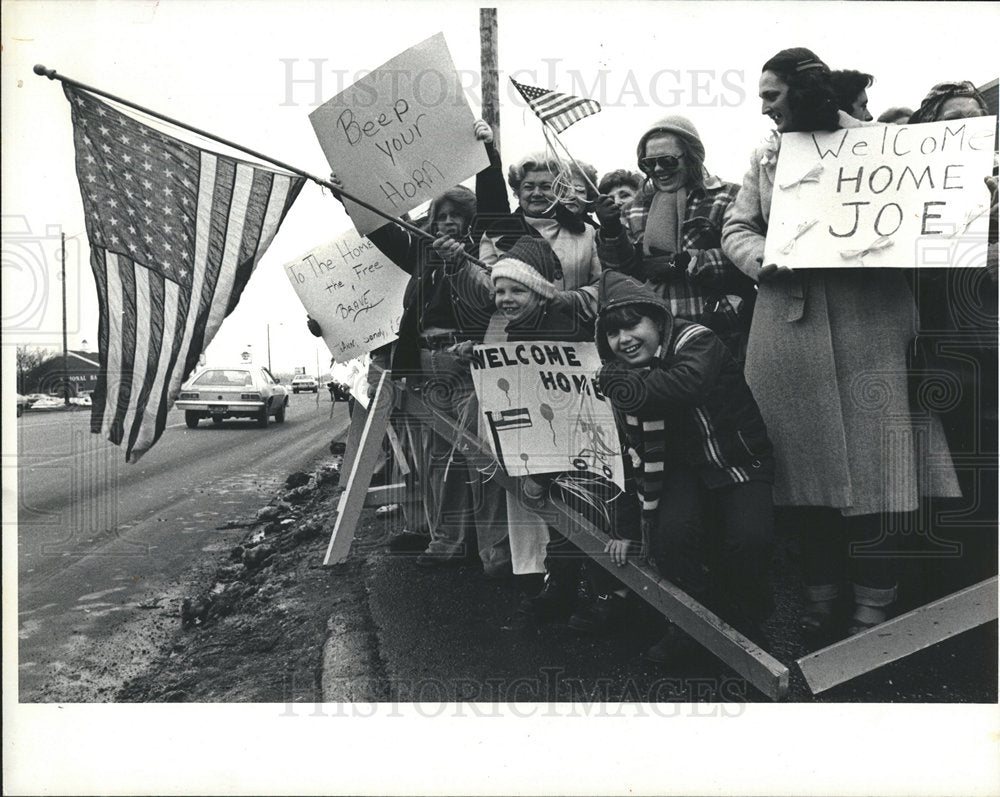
(663, 222)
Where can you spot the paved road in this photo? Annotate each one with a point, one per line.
(106, 548)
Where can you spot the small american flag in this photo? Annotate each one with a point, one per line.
(557, 110)
(175, 232)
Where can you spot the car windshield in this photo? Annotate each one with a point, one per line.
(229, 377)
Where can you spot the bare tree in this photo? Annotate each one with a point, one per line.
(28, 358)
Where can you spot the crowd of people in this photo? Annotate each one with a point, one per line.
(733, 381)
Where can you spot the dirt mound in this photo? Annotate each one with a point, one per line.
(256, 633)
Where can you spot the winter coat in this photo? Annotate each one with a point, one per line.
(690, 407)
(826, 361)
(708, 277)
(571, 240)
(430, 300)
(553, 321)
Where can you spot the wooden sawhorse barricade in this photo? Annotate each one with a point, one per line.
(822, 669)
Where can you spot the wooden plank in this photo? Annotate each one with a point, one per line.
(359, 417)
(761, 669)
(359, 478)
(900, 636)
(385, 494)
(397, 450)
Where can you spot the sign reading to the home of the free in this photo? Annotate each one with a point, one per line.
(401, 135)
(353, 291)
(893, 196)
(544, 411)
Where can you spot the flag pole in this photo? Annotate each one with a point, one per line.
(552, 131)
(51, 74)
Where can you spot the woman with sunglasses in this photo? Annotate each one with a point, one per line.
(826, 361)
(670, 234)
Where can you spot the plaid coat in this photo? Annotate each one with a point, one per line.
(710, 275)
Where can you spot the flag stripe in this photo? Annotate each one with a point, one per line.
(253, 227)
(221, 200)
(241, 181)
(137, 375)
(154, 419)
(154, 291)
(113, 374)
(253, 223)
(129, 328)
(99, 266)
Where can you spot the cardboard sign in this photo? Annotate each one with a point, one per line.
(544, 411)
(353, 290)
(883, 196)
(401, 135)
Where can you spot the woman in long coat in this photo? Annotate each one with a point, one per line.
(826, 361)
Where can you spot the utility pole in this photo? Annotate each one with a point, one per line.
(269, 348)
(62, 253)
(489, 69)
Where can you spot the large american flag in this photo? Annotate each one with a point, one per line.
(558, 110)
(175, 232)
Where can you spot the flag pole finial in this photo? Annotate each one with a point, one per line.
(41, 70)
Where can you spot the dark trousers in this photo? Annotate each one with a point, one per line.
(834, 548)
(716, 544)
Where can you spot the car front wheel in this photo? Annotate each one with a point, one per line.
(191, 419)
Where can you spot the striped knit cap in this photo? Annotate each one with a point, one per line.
(532, 263)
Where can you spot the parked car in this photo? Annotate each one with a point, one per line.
(305, 384)
(48, 403)
(238, 391)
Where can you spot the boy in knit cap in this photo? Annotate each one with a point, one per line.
(700, 449)
(520, 285)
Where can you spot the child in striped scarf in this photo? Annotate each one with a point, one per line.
(702, 458)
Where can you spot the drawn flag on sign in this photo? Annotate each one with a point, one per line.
(175, 232)
(555, 109)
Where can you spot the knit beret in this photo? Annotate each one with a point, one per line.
(679, 126)
(530, 262)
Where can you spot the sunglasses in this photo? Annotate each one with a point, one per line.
(666, 163)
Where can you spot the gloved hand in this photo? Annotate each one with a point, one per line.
(622, 386)
(608, 215)
(665, 267)
(314, 326)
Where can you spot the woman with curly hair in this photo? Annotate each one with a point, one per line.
(561, 221)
